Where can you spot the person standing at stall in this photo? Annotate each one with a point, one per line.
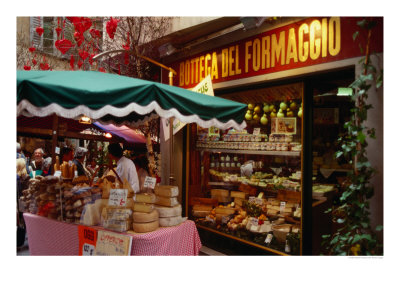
(66, 154)
(36, 164)
(125, 167)
(79, 159)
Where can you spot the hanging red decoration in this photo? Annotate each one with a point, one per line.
(44, 66)
(127, 46)
(78, 38)
(71, 62)
(126, 58)
(63, 45)
(58, 31)
(80, 63)
(111, 27)
(94, 33)
(83, 54)
(32, 49)
(102, 70)
(27, 67)
(34, 62)
(39, 30)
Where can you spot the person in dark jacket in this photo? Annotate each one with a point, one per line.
(79, 160)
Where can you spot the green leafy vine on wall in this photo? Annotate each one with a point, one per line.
(354, 235)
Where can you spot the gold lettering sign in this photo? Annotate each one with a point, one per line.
(292, 45)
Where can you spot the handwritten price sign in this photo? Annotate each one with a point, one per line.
(149, 182)
(118, 197)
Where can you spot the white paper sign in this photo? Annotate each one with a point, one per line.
(57, 150)
(57, 173)
(88, 250)
(117, 197)
(149, 182)
(256, 131)
(282, 207)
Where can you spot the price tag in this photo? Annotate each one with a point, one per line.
(268, 239)
(282, 207)
(254, 228)
(118, 197)
(256, 131)
(57, 150)
(149, 182)
(57, 173)
(259, 201)
(88, 250)
(252, 199)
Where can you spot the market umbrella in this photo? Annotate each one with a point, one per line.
(117, 99)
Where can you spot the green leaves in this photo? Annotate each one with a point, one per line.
(353, 215)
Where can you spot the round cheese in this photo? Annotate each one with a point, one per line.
(170, 221)
(145, 227)
(141, 217)
(164, 211)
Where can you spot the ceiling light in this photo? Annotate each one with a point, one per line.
(85, 120)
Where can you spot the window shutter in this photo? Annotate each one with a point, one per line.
(34, 37)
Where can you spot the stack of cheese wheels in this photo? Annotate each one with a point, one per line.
(167, 205)
(238, 197)
(145, 217)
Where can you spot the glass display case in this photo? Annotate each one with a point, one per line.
(247, 184)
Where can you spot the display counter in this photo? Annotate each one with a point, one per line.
(50, 237)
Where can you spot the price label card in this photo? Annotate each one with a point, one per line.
(88, 250)
(57, 173)
(57, 150)
(256, 131)
(118, 197)
(150, 182)
(259, 201)
(252, 199)
(282, 207)
(254, 228)
(268, 239)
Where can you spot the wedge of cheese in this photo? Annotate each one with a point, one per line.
(166, 190)
(166, 201)
(145, 227)
(171, 221)
(143, 207)
(238, 201)
(146, 198)
(164, 211)
(141, 217)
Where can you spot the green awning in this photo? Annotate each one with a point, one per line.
(116, 99)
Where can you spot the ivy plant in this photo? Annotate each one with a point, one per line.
(354, 235)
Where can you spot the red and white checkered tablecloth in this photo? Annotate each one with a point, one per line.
(50, 237)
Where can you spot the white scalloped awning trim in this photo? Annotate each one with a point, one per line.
(27, 109)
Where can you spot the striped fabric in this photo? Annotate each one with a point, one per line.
(50, 237)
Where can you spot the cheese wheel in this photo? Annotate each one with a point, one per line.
(170, 221)
(145, 227)
(166, 190)
(219, 193)
(146, 198)
(167, 201)
(169, 211)
(143, 207)
(141, 217)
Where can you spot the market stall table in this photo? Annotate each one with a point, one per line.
(51, 237)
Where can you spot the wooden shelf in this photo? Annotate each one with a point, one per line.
(252, 152)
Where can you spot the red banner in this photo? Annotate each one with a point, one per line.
(307, 42)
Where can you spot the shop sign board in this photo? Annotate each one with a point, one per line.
(307, 42)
